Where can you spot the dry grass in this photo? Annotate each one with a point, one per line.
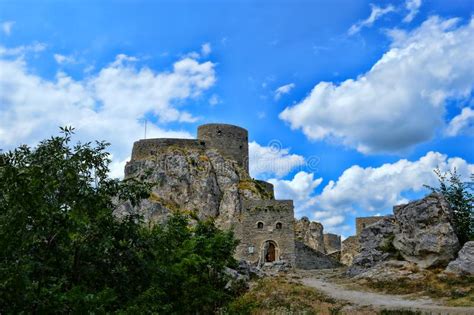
(281, 296)
(454, 291)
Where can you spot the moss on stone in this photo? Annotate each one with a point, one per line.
(255, 187)
(169, 204)
(204, 158)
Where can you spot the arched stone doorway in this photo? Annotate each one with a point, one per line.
(270, 255)
(270, 252)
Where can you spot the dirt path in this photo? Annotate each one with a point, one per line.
(380, 301)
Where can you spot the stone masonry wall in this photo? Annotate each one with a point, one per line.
(268, 187)
(146, 148)
(363, 222)
(252, 238)
(332, 243)
(229, 140)
(307, 258)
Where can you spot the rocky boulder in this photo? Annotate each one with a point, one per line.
(425, 235)
(464, 264)
(310, 233)
(391, 270)
(375, 245)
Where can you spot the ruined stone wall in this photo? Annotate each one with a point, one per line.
(307, 258)
(350, 248)
(146, 148)
(310, 233)
(363, 222)
(231, 141)
(267, 187)
(269, 213)
(332, 242)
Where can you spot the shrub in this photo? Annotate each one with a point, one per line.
(64, 251)
(460, 197)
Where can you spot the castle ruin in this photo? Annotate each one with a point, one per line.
(351, 245)
(210, 176)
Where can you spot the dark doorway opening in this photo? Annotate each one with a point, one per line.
(270, 255)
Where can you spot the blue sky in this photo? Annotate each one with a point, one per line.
(349, 104)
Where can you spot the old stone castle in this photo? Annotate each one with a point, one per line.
(210, 175)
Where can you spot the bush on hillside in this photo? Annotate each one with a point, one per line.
(64, 251)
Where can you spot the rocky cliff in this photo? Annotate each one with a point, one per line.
(193, 178)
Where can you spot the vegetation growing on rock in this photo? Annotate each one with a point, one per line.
(460, 196)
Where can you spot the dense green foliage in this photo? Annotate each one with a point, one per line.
(460, 197)
(64, 251)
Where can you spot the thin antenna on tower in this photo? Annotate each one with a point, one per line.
(145, 127)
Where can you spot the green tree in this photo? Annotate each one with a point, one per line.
(62, 249)
(459, 195)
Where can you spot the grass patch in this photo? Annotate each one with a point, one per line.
(255, 187)
(280, 296)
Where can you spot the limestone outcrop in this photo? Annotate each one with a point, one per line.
(310, 233)
(375, 245)
(464, 264)
(208, 177)
(391, 270)
(425, 235)
(419, 232)
(194, 179)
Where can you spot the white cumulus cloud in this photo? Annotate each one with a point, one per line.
(300, 189)
(109, 105)
(413, 6)
(401, 100)
(375, 189)
(285, 89)
(462, 123)
(380, 188)
(272, 160)
(375, 14)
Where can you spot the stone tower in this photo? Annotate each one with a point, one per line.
(231, 141)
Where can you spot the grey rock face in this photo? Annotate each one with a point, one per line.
(249, 270)
(391, 270)
(425, 235)
(188, 178)
(276, 268)
(375, 245)
(310, 233)
(420, 232)
(464, 264)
